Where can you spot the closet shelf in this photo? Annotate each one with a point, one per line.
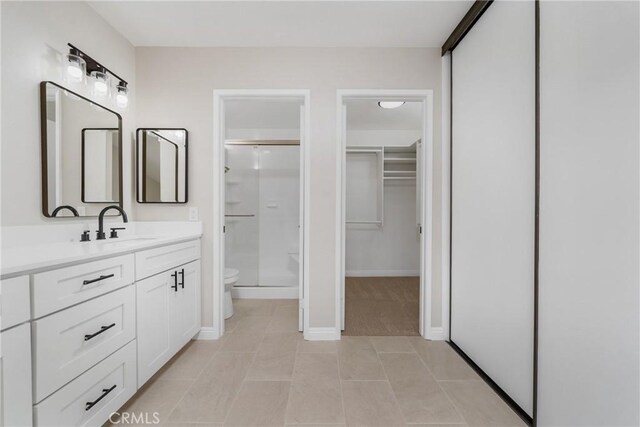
(400, 159)
(394, 172)
(392, 164)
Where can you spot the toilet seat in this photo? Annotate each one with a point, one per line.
(231, 275)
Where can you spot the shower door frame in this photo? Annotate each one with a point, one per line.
(427, 330)
(218, 188)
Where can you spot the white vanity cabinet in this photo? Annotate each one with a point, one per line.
(168, 305)
(78, 339)
(15, 353)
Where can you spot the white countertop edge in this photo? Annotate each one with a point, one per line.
(47, 263)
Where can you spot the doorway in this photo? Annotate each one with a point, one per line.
(385, 154)
(260, 201)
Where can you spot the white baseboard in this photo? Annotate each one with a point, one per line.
(322, 334)
(436, 334)
(207, 333)
(382, 273)
(265, 292)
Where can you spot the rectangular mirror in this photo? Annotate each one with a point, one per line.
(161, 175)
(81, 154)
(100, 153)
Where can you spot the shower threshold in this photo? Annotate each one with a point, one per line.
(265, 292)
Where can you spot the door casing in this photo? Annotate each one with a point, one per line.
(219, 97)
(426, 239)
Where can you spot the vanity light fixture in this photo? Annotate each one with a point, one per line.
(390, 104)
(78, 65)
(76, 68)
(100, 83)
(122, 95)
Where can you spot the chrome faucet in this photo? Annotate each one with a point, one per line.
(100, 232)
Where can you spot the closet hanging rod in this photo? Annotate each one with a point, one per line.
(262, 142)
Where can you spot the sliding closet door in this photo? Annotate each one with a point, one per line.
(493, 196)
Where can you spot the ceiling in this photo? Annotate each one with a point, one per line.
(284, 23)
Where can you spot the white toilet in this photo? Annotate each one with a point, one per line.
(231, 276)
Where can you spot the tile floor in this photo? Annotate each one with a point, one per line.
(262, 373)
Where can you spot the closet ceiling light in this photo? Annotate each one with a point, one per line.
(390, 104)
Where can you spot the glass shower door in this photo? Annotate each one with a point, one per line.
(262, 195)
(279, 215)
(241, 212)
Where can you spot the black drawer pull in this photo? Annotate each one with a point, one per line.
(95, 334)
(105, 391)
(86, 282)
(182, 274)
(175, 281)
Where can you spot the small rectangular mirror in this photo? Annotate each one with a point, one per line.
(81, 154)
(161, 175)
(100, 150)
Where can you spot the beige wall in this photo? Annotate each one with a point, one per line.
(34, 37)
(175, 89)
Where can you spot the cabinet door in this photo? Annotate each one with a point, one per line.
(187, 304)
(155, 304)
(15, 377)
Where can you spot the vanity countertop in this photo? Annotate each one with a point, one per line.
(32, 258)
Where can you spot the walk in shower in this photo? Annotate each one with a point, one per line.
(262, 213)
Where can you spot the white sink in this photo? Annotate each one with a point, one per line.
(124, 241)
(132, 239)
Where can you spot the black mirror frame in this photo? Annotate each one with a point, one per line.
(44, 148)
(140, 164)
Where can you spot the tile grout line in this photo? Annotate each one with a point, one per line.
(235, 398)
(395, 397)
(440, 387)
(344, 407)
(193, 381)
(295, 362)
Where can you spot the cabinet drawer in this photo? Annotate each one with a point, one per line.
(57, 289)
(113, 379)
(71, 341)
(160, 259)
(14, 301)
